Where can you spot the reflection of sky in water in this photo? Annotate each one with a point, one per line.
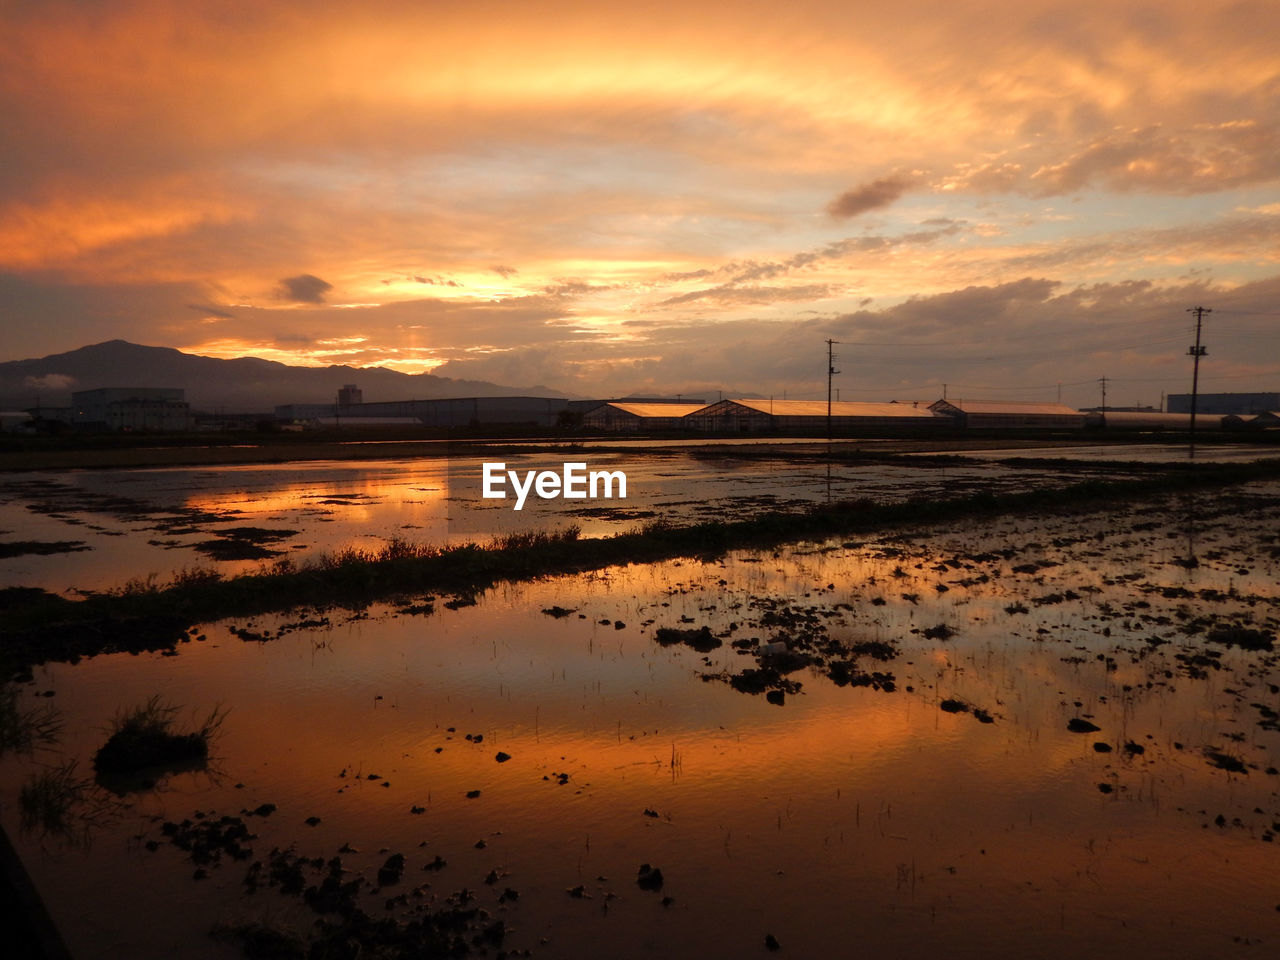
(147, 522)
(847, 815)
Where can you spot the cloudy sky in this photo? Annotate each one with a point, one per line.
(653, 197)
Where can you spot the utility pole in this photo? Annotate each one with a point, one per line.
(831, 372)
(1103, 381)
(1196, 352)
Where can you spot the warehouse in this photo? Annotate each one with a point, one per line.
(621, 416)
(148, 409)
(1009, 415)
(1224, 403)
(446, 412)
(805, 417)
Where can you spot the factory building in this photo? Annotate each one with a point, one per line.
(147, 409)
(1009, 415)
(803, 417)
(451, 412)
(1224, 403)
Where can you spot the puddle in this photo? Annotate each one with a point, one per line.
(911, 769)
(148, 524)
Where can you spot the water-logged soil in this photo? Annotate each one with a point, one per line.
(1024, 737)
(147, 524)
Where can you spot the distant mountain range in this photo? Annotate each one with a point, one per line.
(243, 385)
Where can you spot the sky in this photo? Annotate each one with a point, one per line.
(1013, 199)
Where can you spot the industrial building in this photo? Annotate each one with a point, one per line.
(1224, 403)
(623, 416)
(810, 417)
(1009, 415)
(149, 409)
(451, 412)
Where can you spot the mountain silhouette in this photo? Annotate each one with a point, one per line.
(242, 385)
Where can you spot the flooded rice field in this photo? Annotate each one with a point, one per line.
(95, 529)
(1020, 737)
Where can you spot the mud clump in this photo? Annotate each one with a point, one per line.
(391, 871)
(649, 878)
(701, 639)
(22, 548)
(846, 673)
(244, 543)
(1246, 638)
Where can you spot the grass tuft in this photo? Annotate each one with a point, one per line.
(49, 799)
(143, 738)
(22, 731)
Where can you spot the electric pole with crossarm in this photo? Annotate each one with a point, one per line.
(831, 372)
(1196, 352)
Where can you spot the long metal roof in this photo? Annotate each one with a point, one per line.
(653, 409)
(1012, 407)
(839, 408)
(1153, 417)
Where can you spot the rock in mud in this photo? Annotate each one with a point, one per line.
(649, 878)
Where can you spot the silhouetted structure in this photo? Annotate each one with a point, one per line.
(149, 409)
(804, 417)
(1224, 403)
(1009, 415)
(452, 412)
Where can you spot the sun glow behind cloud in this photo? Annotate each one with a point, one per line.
(554, 194)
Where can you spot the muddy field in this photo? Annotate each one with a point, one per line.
(1016, 738)
(94, 530)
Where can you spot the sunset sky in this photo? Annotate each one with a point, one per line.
(654, 197)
